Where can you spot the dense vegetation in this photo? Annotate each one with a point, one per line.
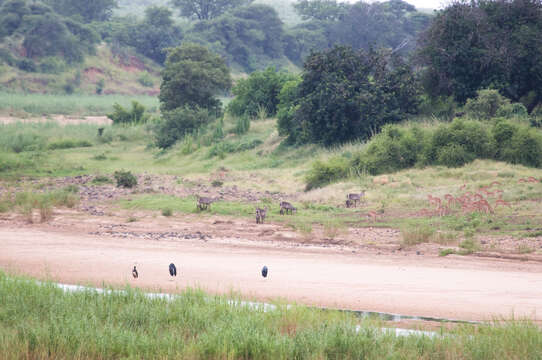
(345, 95)
(192, 78)
(477, 44)
(251, 36)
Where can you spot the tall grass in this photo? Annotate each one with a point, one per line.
(42, 321)
(38, 104)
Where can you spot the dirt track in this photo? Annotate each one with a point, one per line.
(451, 287)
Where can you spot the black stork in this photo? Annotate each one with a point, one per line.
(172, 269)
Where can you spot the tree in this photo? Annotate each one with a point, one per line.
(320, 9)
(259, 91)
(193, 76)
(249, 36)
(479, 44)
(86, 10)
(11, 16)
(207, 9)
(345, 95)
(150, 36)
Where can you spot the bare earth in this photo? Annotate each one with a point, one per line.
(221, 255)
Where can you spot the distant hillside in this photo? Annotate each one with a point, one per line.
(284, 8)
(108, 72)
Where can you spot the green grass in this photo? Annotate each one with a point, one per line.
(42, 321)
(80, 104)
(272, 167)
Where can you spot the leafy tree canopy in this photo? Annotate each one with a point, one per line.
(391, 24)
(260, 91)
(251, 36)
(478, 44)
(345, 95)
(86, 10)
(46, 33)
(320, 9)
(193, 76)
(207, 9)
(152, 35)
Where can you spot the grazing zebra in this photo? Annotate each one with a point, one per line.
(172, 269)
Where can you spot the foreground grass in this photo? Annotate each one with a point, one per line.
(41, 321)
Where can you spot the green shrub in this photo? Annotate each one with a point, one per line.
(418, 234)
(175, 124)
(68, 144)
(513, 111)
(486, 104)
(52, 65)
(27, 65)
(525, 148)
(167, 212)
(125, 179)
(99, 157)
(446, 252)
(217, 183)
(23, 141)
(145, 79)
(242, 125)
(259, 92)
(453, 155)
(323, 173)
(136, 115)
(100, 88)
(227, 147)
(100, 179)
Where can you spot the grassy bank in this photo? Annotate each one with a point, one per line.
(80, 104)
(41, 321)
(256, 161)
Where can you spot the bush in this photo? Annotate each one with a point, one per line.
(417, 234)
(68, 144)
(145, 79)
(100, 88)
(125, 179)
(167, 212)
(260, 91)
(486, 104)
(323, 173)
(136, 115)
(175, 124)
(451, 145)
(453, 155)
(23, 141)
(242, 125)
(525, 148)
(225, 147)
(52, 65)
(27, 65)
(100, 179)
(513, 111)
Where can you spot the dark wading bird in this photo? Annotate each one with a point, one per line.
(134, 273)
(264, 271)
(172, 269)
